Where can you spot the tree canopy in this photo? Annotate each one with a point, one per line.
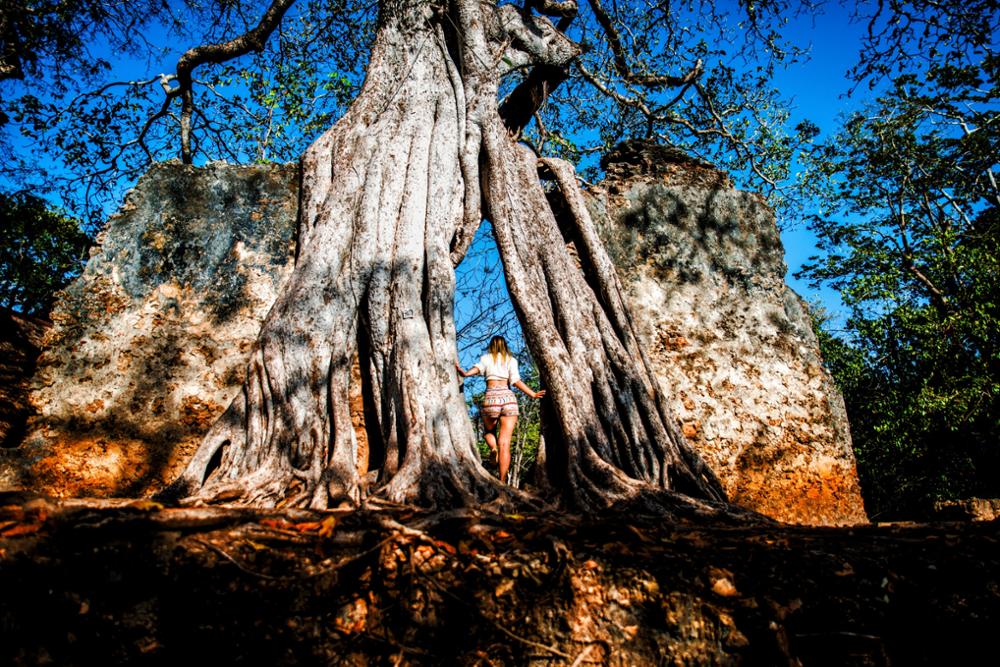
(41, 250)
(105, 90)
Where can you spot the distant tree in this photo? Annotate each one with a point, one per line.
(41, 250)
(910, 236)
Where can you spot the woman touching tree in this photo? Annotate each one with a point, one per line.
(499, 367)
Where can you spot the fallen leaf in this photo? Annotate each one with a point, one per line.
(352, 617)
(445, 546)
(724, 587)
(329, 523)
(21, 529)
(504, 587)
(280, 524)
(150, 645)
(307, 526)
(146, 505)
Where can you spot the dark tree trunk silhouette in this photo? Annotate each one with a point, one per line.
(391, 198)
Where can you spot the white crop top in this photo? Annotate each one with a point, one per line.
(501, 369)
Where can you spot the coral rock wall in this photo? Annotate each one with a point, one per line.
(148, 345)
(731, 343)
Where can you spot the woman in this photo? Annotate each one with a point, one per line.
(499, 405)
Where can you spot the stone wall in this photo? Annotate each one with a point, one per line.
(730, 341)
(148, 345)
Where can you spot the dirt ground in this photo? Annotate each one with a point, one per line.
(113, 582)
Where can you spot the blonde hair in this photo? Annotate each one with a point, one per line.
(498, 349)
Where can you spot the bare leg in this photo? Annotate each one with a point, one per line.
(506, 431)
(489, 425)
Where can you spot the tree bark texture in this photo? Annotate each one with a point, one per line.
(391, 197)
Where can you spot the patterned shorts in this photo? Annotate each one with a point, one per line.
(499, 402)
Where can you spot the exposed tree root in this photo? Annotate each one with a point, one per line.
(136, 583)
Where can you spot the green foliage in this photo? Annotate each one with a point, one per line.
(84, 129)
(910, 235)
(40, 252)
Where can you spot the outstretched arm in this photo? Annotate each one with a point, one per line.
(472, 371)
(527, 390)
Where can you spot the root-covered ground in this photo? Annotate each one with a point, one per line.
(110, 582)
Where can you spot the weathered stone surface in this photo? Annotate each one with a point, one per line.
(148, 345)
(730, 342)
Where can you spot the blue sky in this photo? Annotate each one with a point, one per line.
(818, 88)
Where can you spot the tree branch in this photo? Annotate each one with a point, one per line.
(252, 40)
(524, 101)
(535, 36)
(621, 62)
(534, 40)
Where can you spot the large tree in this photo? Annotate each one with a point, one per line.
(436, 140)
(391, 196)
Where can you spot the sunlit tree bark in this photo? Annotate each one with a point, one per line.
(391, 198)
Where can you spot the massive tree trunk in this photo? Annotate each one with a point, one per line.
(391, 198)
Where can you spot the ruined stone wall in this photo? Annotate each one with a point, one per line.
(730, 341)
(148, 345)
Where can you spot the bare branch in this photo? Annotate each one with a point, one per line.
(635, 103)
(252, 40)
(565, 9)
(621, 62)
